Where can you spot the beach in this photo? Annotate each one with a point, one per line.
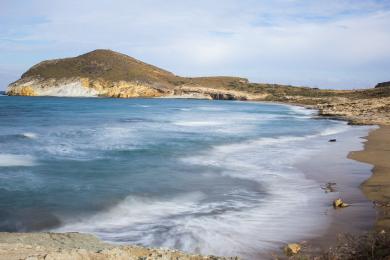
(366, 187)
(377, 187)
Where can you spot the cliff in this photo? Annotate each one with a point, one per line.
(107, 73)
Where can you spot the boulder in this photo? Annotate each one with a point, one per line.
(292, 249)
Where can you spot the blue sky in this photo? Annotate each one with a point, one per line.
(327, 44)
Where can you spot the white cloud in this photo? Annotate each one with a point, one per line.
(329, 44)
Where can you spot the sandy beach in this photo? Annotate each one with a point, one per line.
(365, 185)
(377, 187)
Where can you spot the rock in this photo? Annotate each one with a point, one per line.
(332, 140)
(338, 203)
(292, 249)
(76, 246)
(383, 84)
(32, 258)
(329, 187)
(381, 204)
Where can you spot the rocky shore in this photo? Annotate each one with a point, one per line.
(358, 111)
(76, 246)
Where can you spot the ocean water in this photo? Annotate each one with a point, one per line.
(211, 177)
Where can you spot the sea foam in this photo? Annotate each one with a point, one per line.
(244, 223)
(12, 160)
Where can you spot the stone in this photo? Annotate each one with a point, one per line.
(329, 187)
(339, 203)
(292, 249)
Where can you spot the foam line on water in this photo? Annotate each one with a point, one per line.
(29, 135)
(198, 123)
(302, 110)
(214, 228)
(14, 160)
(339, 128)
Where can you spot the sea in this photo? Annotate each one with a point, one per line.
(202, 176)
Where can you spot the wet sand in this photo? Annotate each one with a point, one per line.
(361, 181)
(377, 187)
(330, 166)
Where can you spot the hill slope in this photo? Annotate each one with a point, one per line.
(104, 64)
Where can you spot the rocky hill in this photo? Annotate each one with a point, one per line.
(110, 74)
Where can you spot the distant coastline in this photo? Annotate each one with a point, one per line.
(106, 73)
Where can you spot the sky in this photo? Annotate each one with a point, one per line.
(328, 44)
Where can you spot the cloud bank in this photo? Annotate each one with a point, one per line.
(329, 44)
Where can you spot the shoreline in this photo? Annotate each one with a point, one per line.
(332, 165)
(376, 188)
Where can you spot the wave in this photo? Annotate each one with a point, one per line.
(241, 222)
(87, 143)
(143, 106)
(29, 135)
(198, 123)
(339, 128)
(21, 136)
(13, 160)
(222, 228)
(302, 110)
(246, 160)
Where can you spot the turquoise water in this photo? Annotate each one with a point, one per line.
(215, 177)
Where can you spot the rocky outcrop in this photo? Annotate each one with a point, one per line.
(358, 111)
(85, 87)
(218, 94)
(76, 246)
(82, 87)
(383, 84)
